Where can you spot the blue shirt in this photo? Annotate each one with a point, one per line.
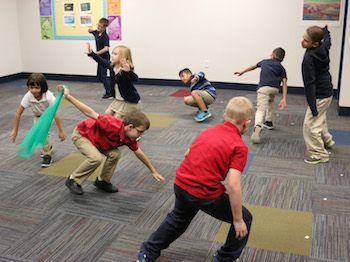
(101, 41)
(272, 73)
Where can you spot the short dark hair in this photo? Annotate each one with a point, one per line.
(104, 21)
(316, 33)
(185, 70)
(279, 53)
(38, 79)
(136, 118)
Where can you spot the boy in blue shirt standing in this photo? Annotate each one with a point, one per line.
(202, 93)
(318, 91)
(102, 46)
(271, 75)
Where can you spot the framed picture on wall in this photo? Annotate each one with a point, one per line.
(68, 8)
(85, 8)
(322, 12)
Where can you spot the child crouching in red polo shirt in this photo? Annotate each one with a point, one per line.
(217, 152)
(104, 134)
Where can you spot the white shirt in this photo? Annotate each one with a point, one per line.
(38, 107)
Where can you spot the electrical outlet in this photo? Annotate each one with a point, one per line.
(206, 63)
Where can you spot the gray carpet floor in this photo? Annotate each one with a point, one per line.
(40, 220)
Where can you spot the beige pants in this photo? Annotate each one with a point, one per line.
(266, 104)
(93, 159)
(47, 146)
(316, 130)
(207, 98)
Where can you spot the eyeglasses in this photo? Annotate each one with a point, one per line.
(139, 131)
(100, 26)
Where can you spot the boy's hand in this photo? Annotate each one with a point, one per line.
(158, 177)
(282, 104)
(62, 135)
(238, 73)
(89, 51)
(241, 229)
(194, 80)
(90, 30)
(125, 65)
(13, 136)
(65, 92)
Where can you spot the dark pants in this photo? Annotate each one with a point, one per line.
(177, 221)
(102, 77)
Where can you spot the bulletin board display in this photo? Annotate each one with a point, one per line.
(73, 18)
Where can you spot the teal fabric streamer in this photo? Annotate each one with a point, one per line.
(38, 133)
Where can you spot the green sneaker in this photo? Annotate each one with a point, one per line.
(329, 144)
(143, 258)
(314, 160)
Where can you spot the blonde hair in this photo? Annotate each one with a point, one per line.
(239, 109)
(124, 53)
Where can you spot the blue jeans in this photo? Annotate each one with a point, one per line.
(177, 221)
(102, 77)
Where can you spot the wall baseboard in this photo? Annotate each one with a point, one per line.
(344, 111)
(148, 81)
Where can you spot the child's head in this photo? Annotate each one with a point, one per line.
(135, 124)
(102, 24)
(312, 37)
(239, 111)
(37, 80)
(122, 52)
(279, 53)
(185, 75)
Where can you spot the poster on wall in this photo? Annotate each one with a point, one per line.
(46, 27)
(322, 12)
(114, 29)
(113, 7)
(45, 7)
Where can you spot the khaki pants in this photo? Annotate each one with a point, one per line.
(266, 104)
(207, 98)
(93, 159)
(47, 146)
(315, 129)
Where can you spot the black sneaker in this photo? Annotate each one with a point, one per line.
(74, 187)
(42, 154)
(47, 161)
(103, 185)
(107, 97)
(268, 125)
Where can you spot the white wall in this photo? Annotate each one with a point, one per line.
(9, 39)
(166, 36)
(344, 96)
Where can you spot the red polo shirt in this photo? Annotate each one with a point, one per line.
(211, 155)
(106, 132)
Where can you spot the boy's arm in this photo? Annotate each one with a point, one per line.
(309, 78)
(89, 112)
(61, 133)
(103, 50)
(283, 103)
(239, 73)
(16, 123)
(140, 155)
(235, 194)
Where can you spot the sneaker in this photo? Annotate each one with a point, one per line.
(47, 161)
(314, 160)
(268, 125)
(202, 115)
(329, 144)
(74, 187)
(103, 185)
(256, 135)
(143, 258)
(107, 97)
(217, 260)
(42, 154)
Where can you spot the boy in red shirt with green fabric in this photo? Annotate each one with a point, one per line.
(104, 134)
(217, 152)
